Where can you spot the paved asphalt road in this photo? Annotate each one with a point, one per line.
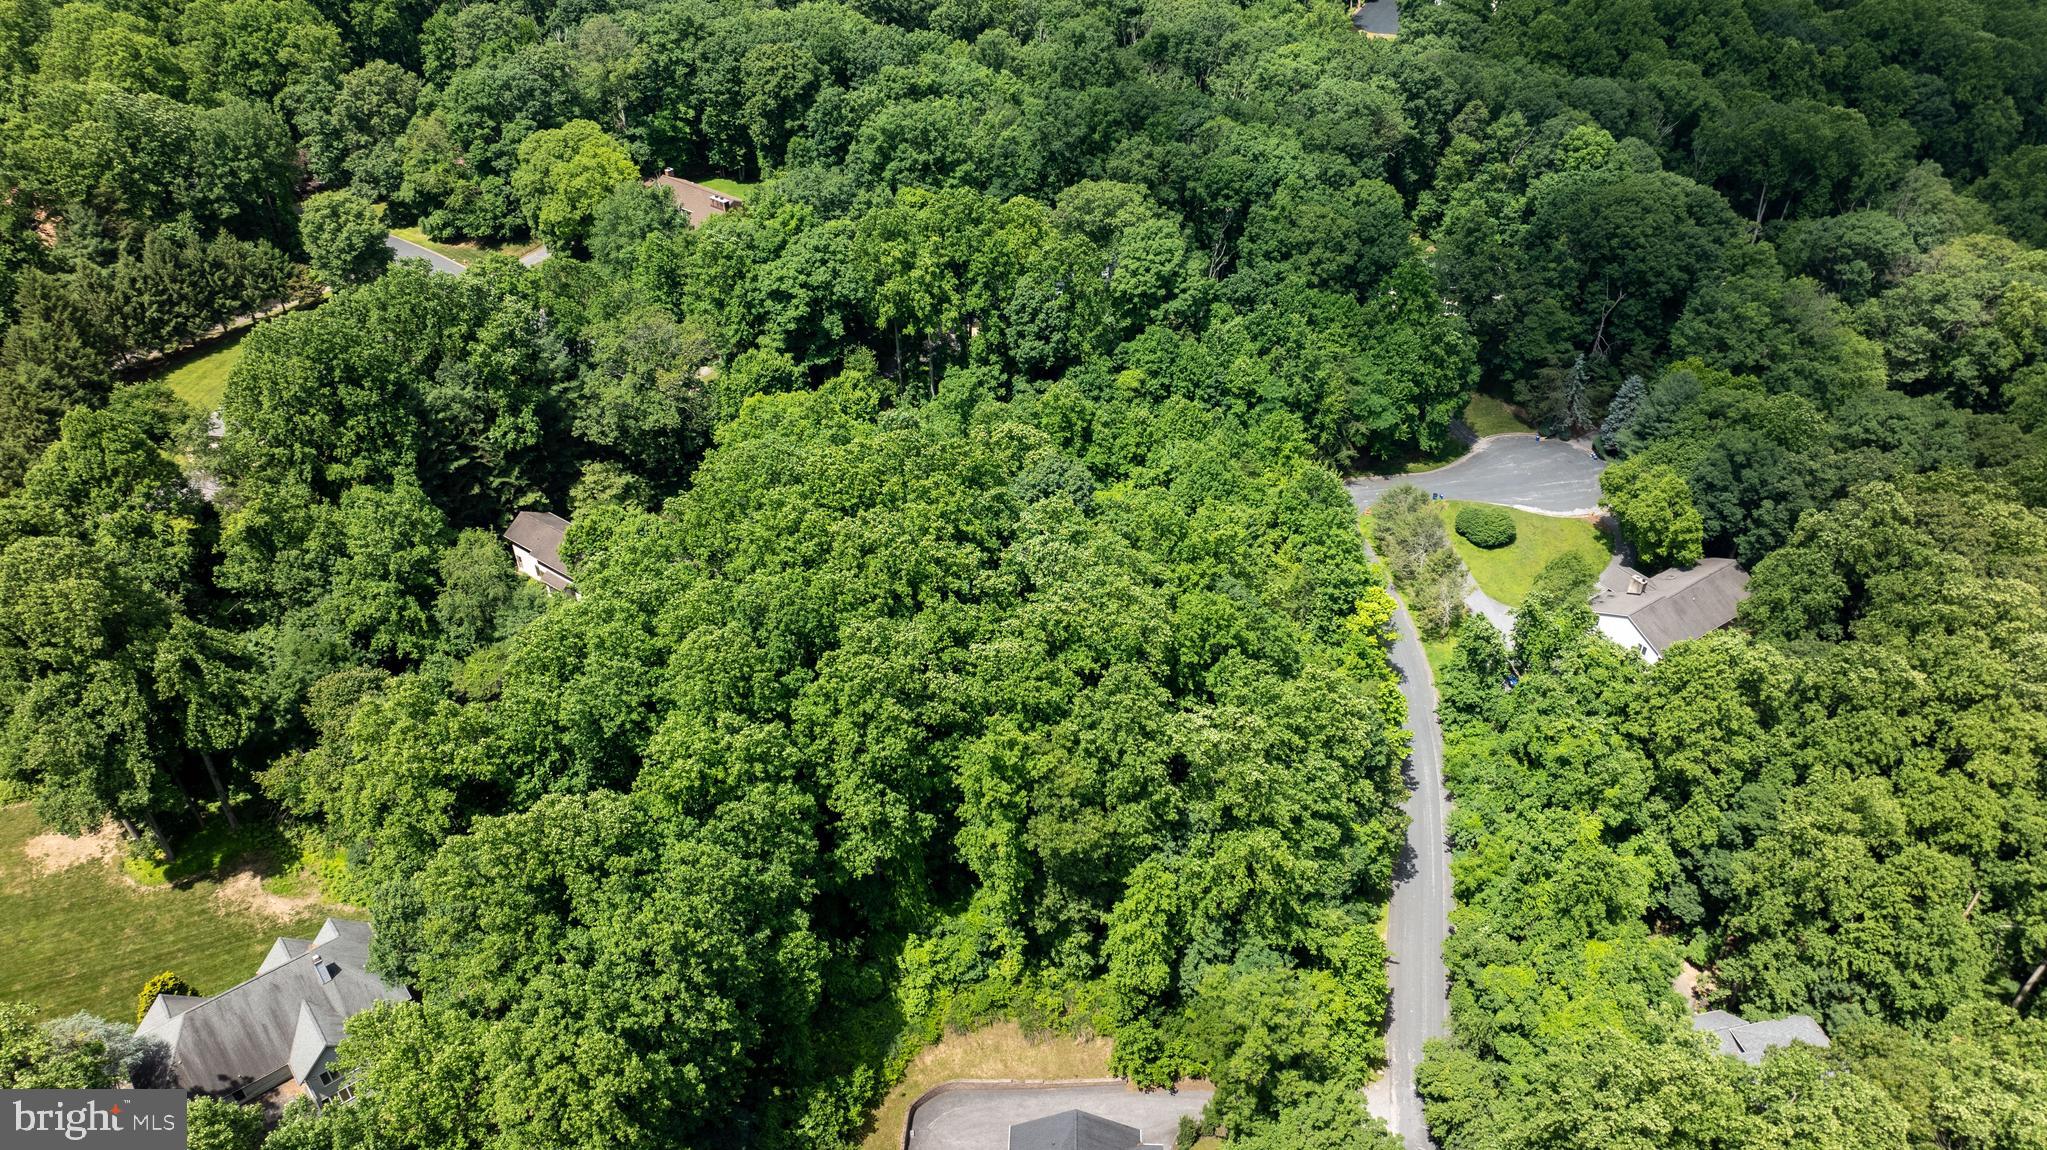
(1547, 476)
(1418, 919)
(407, 250)
(979, 1119)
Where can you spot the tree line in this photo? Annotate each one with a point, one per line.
(971, 621)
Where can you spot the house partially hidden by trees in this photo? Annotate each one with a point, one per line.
(277, 1031)
(1076, 1130)
(536, 539)
(1649, 614)
(1749, 1040)
(697, 201)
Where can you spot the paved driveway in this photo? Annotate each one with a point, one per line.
(1419, 918)
(979, 1118)
(1546, 476)
(407, 250)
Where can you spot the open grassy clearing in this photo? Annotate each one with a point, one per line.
(730, 187)
(1486, 415)
(999, 1051)
(465, 253)
(79, 934)
(1508, 572)
(201, 378)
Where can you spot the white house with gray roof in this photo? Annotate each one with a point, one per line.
(280, 1026)
(1650, 614)
(536, 539)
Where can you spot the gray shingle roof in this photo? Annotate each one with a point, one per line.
(1073, 1130)
(1749, 1040)
(1676, 605)
(540, 532)
(261, 1026)
(1377, 17)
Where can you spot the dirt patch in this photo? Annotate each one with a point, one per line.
(51, 853)
(243, 892)
(1688, 985)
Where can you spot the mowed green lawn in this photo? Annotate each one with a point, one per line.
(1488, 416)
(464, 253)
(202, 379)
(86, 938)
(730, 187)
(1507, 573)
(1485, 416)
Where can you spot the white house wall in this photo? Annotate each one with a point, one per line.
(1622, 630)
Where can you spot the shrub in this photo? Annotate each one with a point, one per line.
(165, 983)
(1487, 527)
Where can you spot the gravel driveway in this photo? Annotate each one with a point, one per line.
(1546, 476)
(979, 1118)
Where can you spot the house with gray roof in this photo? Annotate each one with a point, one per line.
(1749, 1040)
(1650, 614)
(1377, 19)
(279, 1028)
(1076, 1130)
(536, 539)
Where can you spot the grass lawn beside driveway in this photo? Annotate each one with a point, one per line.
(1002, 1050)
(201, 378)
(1508, 572)
(1488, 416)
(76, 933)
(464, 254)
(1485, 416)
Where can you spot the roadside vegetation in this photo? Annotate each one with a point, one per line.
(201, 378)
(1413, 539)
(463, 253)
(1489, 415)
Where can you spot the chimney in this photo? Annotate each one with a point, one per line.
(1637, 583)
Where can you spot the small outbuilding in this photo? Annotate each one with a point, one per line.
(1076, 1130)
(1749, 1040)
(1649, 614)
(536, 539)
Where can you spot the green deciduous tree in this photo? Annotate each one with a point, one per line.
(1654, 509)
(343, 238)
(563, 175)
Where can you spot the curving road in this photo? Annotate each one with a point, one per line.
(1546, 476)
(407, 250)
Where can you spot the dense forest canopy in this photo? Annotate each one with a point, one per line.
(970, 620)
